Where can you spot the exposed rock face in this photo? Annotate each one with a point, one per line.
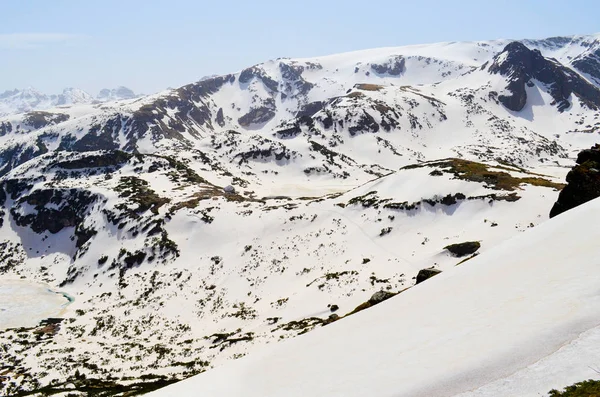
(394, 66)
(583, 182)
(589, 63)
(43, 119)
(463, 249)
(259, 115)
(109, 159)
(220, 117)
(425, 274)
(293, 84)
(5, 128)
(256, 72)
(521, 65)
(310, 109)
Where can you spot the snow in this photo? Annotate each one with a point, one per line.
(487, 327)
(25, 304)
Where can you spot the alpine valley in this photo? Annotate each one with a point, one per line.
(148, 239)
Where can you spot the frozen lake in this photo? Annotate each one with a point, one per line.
(25, 304)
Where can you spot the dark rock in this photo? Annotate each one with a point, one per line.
(13, 156)
(99, 137)
(452, 199)
(583, 182)
(394, 66)
(291, 72)
(380, 296)
(56, 209)
(425, 274)
(43, 119)
(291, 132)
(589, 64)
(332, 318)
(110, 159)
(255, 72)
(259, 115)
(220, 118)
(334, 308)
(463, 249)
(365, 123)
(256, 116)
(5, 128)
(310, 109)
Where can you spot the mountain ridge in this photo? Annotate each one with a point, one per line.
(29, 99)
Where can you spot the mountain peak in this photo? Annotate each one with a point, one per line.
(516, 59)
(520, 65)
(115, 94)
(72, 96)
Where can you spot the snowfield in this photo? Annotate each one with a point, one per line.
(520, 319)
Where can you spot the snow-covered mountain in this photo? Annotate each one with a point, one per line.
(115, 94)
(197, 225)
(29, 99)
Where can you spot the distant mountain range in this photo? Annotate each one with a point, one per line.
(28, 99)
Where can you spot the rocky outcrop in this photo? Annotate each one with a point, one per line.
(583, 182)
(425, 274)
(293, 82)
(380, 296)
(463, 249)
(5, 128)
(43, 119)
(259, 115)
(522, 65)
(395, 66)
(589, 63)
(54, 210)
(220, 118)
(109, 159)
(256, 72)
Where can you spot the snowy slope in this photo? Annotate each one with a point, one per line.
(474, 330)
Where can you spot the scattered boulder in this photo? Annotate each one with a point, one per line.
(583, 182)
(334, 308)
(463, 249)
(425, 274)
(380, 296)
(229, 189)
(375, 299)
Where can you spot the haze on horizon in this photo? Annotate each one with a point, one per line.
(95, 45)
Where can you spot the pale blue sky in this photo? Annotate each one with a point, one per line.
(150, 45)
